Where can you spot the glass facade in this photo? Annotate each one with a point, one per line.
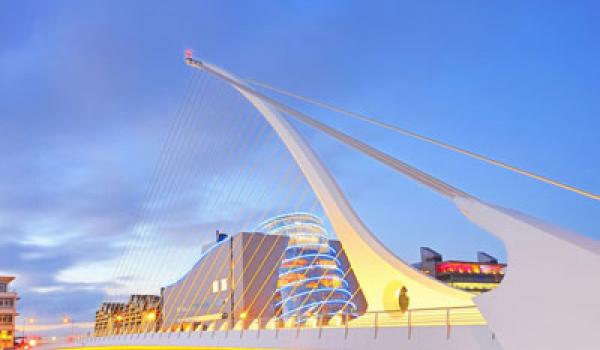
(310, 281)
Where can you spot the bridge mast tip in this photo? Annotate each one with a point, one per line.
(189, 59)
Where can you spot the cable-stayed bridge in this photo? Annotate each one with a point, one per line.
(358, 282)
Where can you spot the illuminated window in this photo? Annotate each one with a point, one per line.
(215, 286)
(224, 284)
(332, 283)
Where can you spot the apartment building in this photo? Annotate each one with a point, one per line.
(141, 314)
(8, 312)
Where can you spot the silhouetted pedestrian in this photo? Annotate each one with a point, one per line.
(403, 299)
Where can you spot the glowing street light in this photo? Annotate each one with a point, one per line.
(26, 321)
(151, 316)
(66, 320)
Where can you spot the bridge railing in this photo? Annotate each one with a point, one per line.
(447, 317)
(375, 321)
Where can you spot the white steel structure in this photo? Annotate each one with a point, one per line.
(525, 312)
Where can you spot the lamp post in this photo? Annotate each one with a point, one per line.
(67, 320)
(118, 323)
(151, 321)
(26, 321)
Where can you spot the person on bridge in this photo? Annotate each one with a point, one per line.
(403, 299)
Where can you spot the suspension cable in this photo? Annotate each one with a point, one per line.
(424, 138)
(411, 172)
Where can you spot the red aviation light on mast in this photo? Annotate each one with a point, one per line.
(188, 54)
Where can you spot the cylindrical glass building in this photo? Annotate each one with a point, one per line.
(311, 281)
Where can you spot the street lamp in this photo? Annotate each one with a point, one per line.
(26, 321)
(118, 324)
(67, 320)
(151, 316)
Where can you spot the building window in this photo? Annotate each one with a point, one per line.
(6, 319)
(223, 284)
(6, 303)
(2, 287)
(215, 286)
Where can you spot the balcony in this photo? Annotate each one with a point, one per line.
(9, 294)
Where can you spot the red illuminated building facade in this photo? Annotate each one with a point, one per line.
(473, 276)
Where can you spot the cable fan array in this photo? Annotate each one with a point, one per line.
(216, 172)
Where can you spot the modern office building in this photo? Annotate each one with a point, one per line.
(8, 312)
(473, 276)
(233, 281)
(310, 280)
(140, 314)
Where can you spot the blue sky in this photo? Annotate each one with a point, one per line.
(88, 88)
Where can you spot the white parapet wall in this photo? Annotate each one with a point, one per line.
(417, 338)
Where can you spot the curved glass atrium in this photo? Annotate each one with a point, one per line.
(311, 281)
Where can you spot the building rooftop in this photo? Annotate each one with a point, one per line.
(7, 279)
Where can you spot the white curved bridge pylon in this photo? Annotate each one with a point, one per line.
(548, 299)
(380, 273)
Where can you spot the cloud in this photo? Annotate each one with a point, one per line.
(77, 223)
(93, 272)
(47, 289)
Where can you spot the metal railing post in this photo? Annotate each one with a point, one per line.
(447, 323)
(409, 324)
(376, 324)
(297, 329)
(345, 326)
(320, 320)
